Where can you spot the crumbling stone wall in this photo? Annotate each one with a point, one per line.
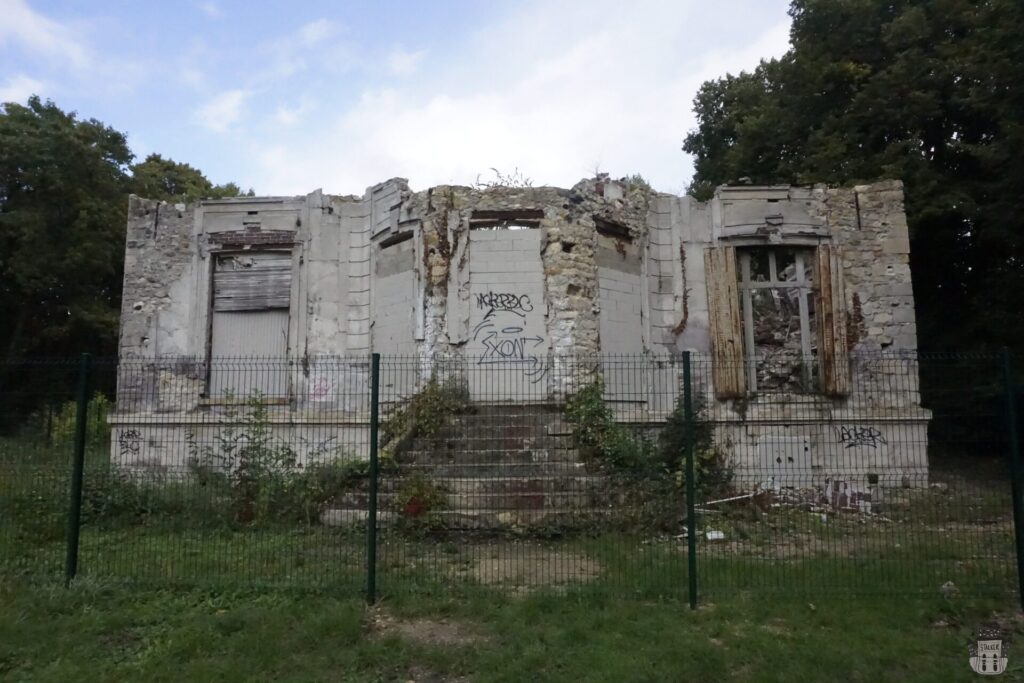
(158, 262)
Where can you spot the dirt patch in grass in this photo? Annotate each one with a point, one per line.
(776, 628)
(523, 569)
(430, 632)
(418, 674)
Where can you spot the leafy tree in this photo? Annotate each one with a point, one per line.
(169, 180)
(928, 91)
(63, 183)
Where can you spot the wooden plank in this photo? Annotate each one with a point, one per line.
(805, 324)
(832, 350)
(750, 355)
(252, 282)
(726, 330)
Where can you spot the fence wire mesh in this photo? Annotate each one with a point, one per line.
(547, 473)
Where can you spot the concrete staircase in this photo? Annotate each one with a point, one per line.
(494, 467)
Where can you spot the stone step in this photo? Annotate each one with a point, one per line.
(498, 484)
(512, 424)
(485, 409)
(477, 519)
(525, 500)
(456, 469)
(524, 480)
(496, 493)
(483, 440)
(495, 457)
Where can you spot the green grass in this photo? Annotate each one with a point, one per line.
(99, 632)
(335, 559)
(170, 587)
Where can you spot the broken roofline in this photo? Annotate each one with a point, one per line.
(781, 191)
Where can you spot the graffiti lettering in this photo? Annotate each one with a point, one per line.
(519, 304)
(129, 441)
(509, 343)
(858, 435)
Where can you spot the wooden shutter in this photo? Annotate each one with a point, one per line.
(252, 282)
(726, 331)
(832, 351)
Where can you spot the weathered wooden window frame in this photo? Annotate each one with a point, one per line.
(803, 257)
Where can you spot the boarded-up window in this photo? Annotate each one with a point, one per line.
(251, 296)
(726, 332)
(252, 282)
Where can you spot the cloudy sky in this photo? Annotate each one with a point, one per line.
(288, 97)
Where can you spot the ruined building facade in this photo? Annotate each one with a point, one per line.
(789, 292)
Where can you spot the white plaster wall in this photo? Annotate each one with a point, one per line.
(158, 445)
(355, 223)
(508, 339)
(325, 270)
(849, 451)
(394, 295)
(620, 293)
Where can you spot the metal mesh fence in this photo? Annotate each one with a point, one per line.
(547, 473)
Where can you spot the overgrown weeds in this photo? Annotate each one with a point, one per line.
(260, 477)
(615, 448)
(424, 414)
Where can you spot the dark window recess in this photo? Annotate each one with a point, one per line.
(397, 238)
(610, 228)
(512, 219)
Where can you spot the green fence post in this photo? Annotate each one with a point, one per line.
(371, 512)
(691, 487)
(78, 470)
(1015, 467)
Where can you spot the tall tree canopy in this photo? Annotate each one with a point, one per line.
(64, 185)
(169, 180)
(928, 91)
(62, 222)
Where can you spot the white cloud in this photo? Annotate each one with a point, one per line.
(19, 88)
(403, 63)
(63, 51)
(190, 67)
(550, 89)
(289, 55)
(286, 115)
(210, 9)
(191, 76)
(23, 26)
(315, 32)
(222, 111)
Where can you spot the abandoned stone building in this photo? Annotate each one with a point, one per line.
(784, 295)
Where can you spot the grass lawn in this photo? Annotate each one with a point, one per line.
(787, 595)
(104, 632)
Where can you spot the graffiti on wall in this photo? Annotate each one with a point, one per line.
(502, 333)
(518, 304)
(129, 442)
(320, 388)
(853, 436)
